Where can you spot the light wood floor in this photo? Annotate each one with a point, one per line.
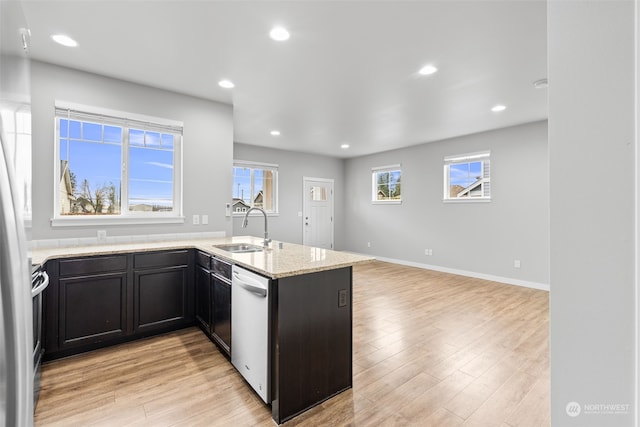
(430, 349)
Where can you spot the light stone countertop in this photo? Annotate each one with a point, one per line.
(291, 260)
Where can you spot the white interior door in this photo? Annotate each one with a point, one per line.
(317, 213)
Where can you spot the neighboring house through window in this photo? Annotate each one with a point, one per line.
(116, 166)
(254, 185)
(386, 184)
(467, 177)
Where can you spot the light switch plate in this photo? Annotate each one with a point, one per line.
(205, 219)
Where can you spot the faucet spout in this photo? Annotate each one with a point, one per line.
(245, 222)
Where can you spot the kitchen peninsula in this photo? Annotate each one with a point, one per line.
(106, 294)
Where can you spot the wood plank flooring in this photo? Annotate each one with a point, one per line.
(430, 349)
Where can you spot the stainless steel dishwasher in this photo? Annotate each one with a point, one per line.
(250, 329)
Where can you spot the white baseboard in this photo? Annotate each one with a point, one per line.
(507, 280)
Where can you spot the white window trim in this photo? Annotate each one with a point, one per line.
(260, 165)
(125, 217)
(374, 184)
(464, 158)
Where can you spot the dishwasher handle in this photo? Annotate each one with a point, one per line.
(247, 284)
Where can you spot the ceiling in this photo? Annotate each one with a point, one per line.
(347, 75)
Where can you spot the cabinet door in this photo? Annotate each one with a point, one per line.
(203, 298)
(162, 299)
(222, 313)
(92, 309)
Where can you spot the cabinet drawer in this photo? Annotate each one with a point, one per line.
(161, 259)
(203, 259)
(221, 268)
(92, 265)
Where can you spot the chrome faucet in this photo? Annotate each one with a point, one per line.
(245, 222)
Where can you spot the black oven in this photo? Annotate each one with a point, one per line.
(39, 281)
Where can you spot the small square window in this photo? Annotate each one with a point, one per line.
(386, 184)
(467, 177)
(255, 185)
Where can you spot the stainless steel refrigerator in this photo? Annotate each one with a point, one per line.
(16, 333)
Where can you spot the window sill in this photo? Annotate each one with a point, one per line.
(478, 200)
(386, 202)
(254, 213)
(122, 220)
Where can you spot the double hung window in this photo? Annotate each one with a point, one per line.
(117, 166)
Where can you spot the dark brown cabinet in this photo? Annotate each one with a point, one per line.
(162, 296)
(86, 304)
(97, 301)
(92, 309)
(203, 298)
(312, 340)
(213, 299)
(221, 324)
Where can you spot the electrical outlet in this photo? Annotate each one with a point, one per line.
(102, 235)
(428, 252)
(368, 244)
(196, 219)
(516, 263)
(205, 219)
(342, 297)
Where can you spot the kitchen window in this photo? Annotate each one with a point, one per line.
(467, 177)
(113, 168)
(254, 185)
(386, 184)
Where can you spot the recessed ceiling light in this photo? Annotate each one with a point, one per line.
(279, 34)
(427, 70)
(498, 108)
(64, 40)
(541, 84)
(344, 146)
(275, 133)
(227, 84)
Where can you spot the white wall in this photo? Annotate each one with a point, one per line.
(293, 166)
(476, 238)
(207, 147)
(591, 154)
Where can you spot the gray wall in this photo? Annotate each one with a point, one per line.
(207, 147)
(591, 155)
(287, 226)
(483, 238)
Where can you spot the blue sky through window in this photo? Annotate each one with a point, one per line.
(464, 174)
(94, 153)
(242, 184)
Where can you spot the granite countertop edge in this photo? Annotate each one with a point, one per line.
(281, 259)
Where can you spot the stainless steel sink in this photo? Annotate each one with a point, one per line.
(236, 248)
